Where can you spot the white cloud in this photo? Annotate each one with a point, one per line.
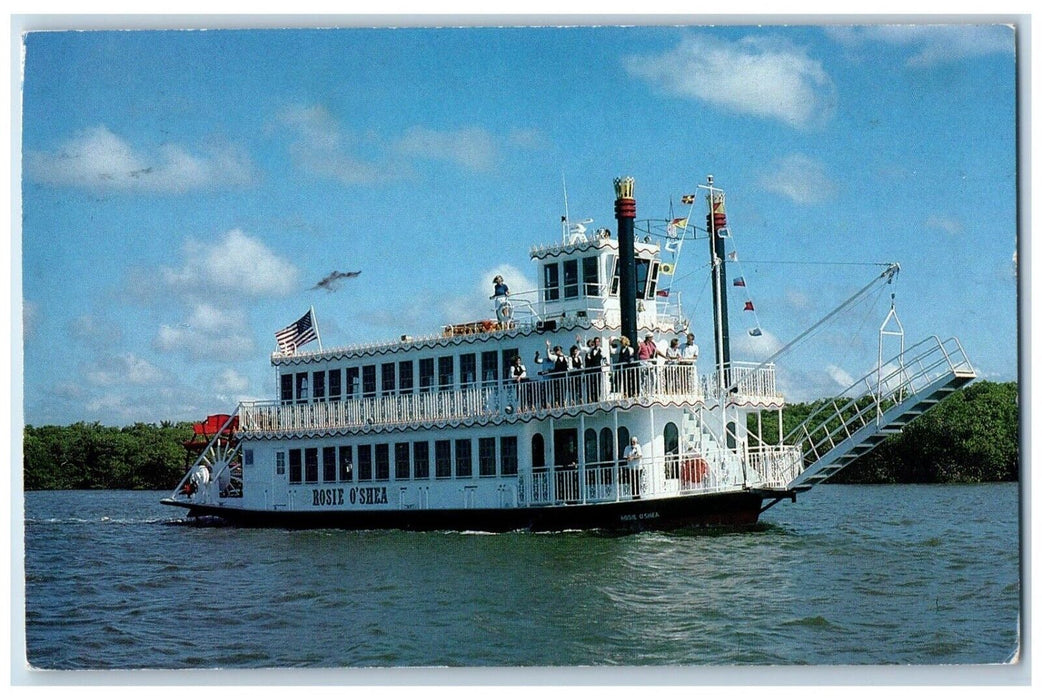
(322, 147)
(800, 178)
(840, 376)
(472, 148)
(952, 227)
(235, 263)
(754, 348)
(126, 368)
(756, 75)
(94, 331)
(229, 381)
(930, 45)
(208, 333)
(98, 159)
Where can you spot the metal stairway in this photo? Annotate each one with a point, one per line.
(836, 433)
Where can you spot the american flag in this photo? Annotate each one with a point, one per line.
(297, 333)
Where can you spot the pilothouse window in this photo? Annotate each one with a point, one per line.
(551, 282)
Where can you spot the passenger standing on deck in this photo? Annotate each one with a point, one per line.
(689, 355)
(649, 354)
(500, 292)
(556, 374)
(519, 374)
(500, 289)
(626, 369)
(673, 361)
(594, 362)
(575, 373)
(633, 457)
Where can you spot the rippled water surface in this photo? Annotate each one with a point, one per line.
(849, 575)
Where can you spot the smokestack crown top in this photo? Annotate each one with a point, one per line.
(624, 188)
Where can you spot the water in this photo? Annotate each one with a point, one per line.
(849, 575)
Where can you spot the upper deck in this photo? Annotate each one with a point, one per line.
(645, 384)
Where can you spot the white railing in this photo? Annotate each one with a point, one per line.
(643, 383)
(773, 466)
(603, 482)
(864, 403)
(744, 381)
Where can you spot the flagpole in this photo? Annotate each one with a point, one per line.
(314, 322)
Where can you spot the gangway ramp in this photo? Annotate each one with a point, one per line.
(877, 406)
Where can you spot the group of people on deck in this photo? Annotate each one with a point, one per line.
(579, 372)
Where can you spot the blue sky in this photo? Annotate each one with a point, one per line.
(183, 191)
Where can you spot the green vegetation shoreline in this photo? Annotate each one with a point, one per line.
(972, 436)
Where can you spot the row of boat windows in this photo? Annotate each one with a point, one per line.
(406, 460)
(451, 458)
(403, 377)
(562, 280)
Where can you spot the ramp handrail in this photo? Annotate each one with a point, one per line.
(916, 368)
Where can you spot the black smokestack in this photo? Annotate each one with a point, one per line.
(625, 213)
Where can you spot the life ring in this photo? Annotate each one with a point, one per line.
(693, 470)
(504, 311)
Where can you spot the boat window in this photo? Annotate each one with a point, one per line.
(571, 278)
(426, 374)
(489, 368)
(731, 443)
(508, 455)
(280, 463)
(294, 467)
(671, 438)
(405, 371)
(401, 461)
(328, 464)
(591, 281)
(653, 279)
(607, 453)
(467, 369)
(445, 378)
(287, 388)
(311, 465)
(302, 386)
(334, 384)
(623, 441)
(590, 447)
(351, 386)
(508, 360)
(382, 457)
(387, 378)
(369, 381)
(442, 459)
(642, 277)
(365, 463)
(318, 384)
(464, 465)
(421, 460)
(671, 444)
(551, 282)
(247, 458)
(566, 446)
(345, 463)
(614, 265)
(538, 451)
(486, 456)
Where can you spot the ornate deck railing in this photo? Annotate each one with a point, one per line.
(643, 384)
